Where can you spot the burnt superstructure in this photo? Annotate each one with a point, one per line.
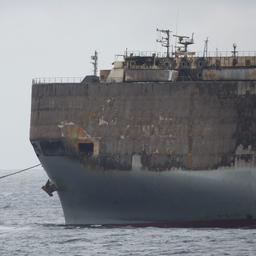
(182, 64)
(157, 140)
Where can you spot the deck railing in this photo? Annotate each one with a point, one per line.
(216, 53)
(226, 54)
(61, 80)
(144, 54)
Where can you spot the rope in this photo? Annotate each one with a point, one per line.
(23, 170)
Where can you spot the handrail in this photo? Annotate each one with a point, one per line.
(51, 80)
(216, 53)
(144, 54)
(220, 54)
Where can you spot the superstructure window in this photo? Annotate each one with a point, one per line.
(86, 148)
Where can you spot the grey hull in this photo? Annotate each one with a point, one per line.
(137, 196)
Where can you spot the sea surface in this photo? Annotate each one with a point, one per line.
(32, 223)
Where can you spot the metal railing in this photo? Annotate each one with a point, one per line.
(53, 80)
(144, 54)
(213, 58)
(226, 54)
(216, 53)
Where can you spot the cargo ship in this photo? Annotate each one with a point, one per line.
(158, 140)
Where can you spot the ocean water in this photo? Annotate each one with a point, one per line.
(32, 223)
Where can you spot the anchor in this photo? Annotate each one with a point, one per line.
(49, 187)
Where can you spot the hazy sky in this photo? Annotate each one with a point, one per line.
(50, 38)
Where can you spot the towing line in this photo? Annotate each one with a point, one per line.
(23, 170)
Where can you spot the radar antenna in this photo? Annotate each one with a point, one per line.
(95, 63)
(165, 41)
(184, 41)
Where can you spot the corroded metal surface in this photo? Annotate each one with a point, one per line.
(90, 196)
(229, 74)
(164, 126)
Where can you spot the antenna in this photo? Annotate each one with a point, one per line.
(176, 32)
(165, 41)
(95, 63)
(234, 52)
(205, 48)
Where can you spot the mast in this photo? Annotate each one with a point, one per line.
(165, 41)
(205, 48)
(95, 63)
(234, 52)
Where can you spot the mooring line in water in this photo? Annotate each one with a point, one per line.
(23, 170)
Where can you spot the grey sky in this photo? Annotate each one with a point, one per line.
(56, 38)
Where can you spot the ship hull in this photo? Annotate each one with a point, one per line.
(176, 154)
(223, 197)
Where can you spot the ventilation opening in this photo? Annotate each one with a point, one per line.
(86, 148)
